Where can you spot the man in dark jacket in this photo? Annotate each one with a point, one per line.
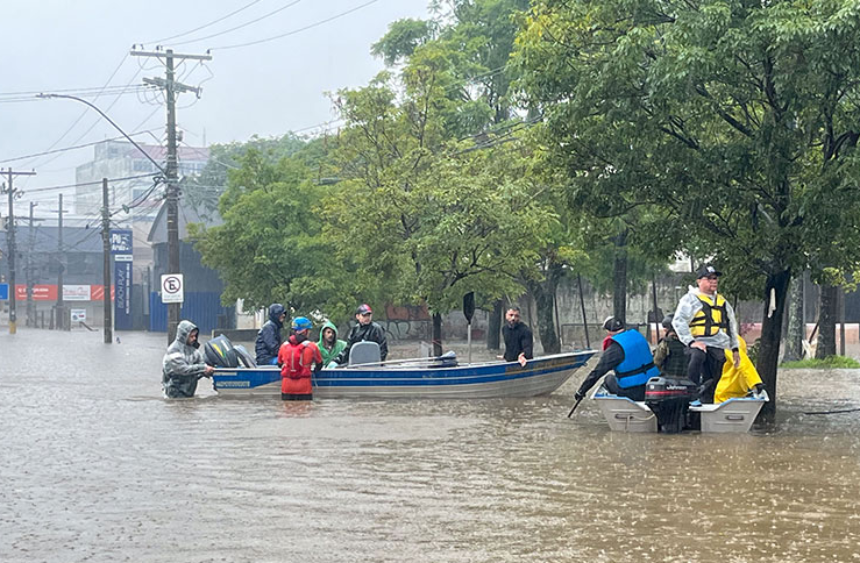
(269, 338)
(518, 337)
(367, 330)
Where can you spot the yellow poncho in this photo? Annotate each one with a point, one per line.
(736, 382)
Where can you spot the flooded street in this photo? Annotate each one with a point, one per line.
(96, 466)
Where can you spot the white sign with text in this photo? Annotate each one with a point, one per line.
(172, 288)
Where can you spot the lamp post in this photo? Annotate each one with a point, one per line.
(105, 211)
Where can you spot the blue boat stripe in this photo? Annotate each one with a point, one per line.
(467, 375)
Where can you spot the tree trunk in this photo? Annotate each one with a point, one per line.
(437, 334)
(827, 322)
(796, 326)
(494, 325)
(771, 329)
(544, 294)
(619, 295)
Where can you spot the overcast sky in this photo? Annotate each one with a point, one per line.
(265, 89)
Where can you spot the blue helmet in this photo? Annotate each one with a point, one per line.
(302, 323)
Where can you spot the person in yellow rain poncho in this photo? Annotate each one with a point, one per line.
(738, 381)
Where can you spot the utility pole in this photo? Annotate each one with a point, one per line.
(31, 312)
(171, 89)
(106, 241)
(10, 238)
(60, 308)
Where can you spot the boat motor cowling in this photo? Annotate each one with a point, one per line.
(669, 398)
(219, 352)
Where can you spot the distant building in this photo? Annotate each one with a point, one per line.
(40, 259)
(120, 159)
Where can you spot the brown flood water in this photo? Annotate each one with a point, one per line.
(96, 466)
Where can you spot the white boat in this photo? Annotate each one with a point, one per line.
(732, 416)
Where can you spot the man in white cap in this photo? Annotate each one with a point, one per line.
(705, 322)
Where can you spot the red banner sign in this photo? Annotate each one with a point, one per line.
(48, 292)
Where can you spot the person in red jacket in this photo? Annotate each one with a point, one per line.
(296, 358)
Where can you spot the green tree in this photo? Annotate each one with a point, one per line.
(204, 191)
(431, 220)
(270, 247)
(477, 37)
(738, 120)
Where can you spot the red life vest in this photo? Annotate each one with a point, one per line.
(297, 359)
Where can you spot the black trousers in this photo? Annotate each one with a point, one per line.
(635, 393)
(706, 367)
(295, 397)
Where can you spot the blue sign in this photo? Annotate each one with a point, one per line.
(4, 292)
(122, 295)
(121, 246)
(121, 241)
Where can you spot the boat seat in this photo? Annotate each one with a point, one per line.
(364, 353)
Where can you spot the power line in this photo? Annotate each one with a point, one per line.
(204, 26)
(112, 104)
(74, 147)
(295, 31)
(81, 116)
(82, 93)
(62, 90)
(110, 92)
(246, 24)
(98, 183)
(97, 121)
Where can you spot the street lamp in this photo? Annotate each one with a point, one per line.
(111, 121)
(106, 211)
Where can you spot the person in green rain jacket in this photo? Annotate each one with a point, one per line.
(329, 344)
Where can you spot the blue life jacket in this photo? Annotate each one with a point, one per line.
(638, 364)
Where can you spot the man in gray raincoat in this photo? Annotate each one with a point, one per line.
(183, 363)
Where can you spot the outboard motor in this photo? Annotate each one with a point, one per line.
(669, 398)
(245, 358)
(219, 352)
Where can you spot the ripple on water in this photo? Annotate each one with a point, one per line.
(97, 467)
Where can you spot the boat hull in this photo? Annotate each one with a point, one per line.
(540, 376)
(734, 416)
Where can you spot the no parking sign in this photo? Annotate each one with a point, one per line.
(172, 288)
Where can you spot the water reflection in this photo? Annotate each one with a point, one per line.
(96, 466)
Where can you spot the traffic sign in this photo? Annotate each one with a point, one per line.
(172, 288)
(4, 291)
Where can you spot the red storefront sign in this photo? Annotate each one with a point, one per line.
(41, 292)
(48, 292)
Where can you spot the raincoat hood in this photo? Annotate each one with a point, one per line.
(331, 325)
(182, 365)
(183, 330)
(275, 312)
(329, 354)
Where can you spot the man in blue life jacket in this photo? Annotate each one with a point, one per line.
(628, 354)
